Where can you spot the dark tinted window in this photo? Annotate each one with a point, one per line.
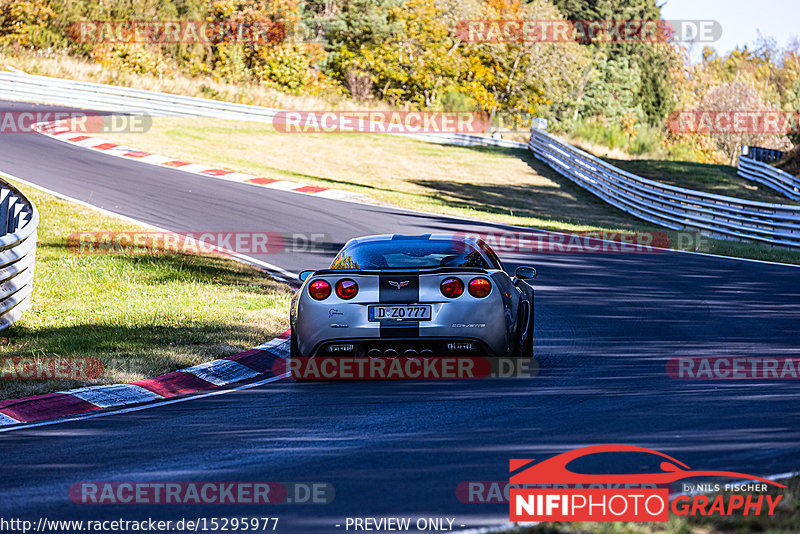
(402, 254)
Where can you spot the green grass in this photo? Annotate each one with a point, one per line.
(503, 185)
(141, 315)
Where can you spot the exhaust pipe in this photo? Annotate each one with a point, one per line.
(410, 353)
(390, 353)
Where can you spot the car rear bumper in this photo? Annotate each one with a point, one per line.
(485, 326)
(402, 346)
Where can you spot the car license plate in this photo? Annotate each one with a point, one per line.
(400, 313)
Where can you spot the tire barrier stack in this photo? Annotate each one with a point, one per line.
(18, 221)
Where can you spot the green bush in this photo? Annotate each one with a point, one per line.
(647, 141)
(610, 135)
(21, 21)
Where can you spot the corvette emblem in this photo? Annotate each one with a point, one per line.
(399, 285)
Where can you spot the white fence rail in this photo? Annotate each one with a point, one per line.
(18, 221)
(754, 165)
(111, 98)
(670, 206)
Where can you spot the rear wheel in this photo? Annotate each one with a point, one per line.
(294, 351)
(524, 348)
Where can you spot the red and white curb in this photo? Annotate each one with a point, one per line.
(251, 364)
(60, 131)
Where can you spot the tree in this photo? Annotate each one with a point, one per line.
(277, 58)
(522, 78)
(413, 60)
(793, 104)
(738, 96)
(349, 27)
(653, 95)
(613, 90)
(20, 19)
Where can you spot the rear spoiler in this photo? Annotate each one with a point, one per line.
(401, 272)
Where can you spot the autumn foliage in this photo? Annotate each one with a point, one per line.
(410, 55)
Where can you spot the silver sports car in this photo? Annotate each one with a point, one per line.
(414, 296)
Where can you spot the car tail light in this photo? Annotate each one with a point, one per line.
(452, 287)
(480, 287)
(319, 289)
(346, 289)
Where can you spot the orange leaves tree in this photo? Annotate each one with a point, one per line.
(278, 57)
(739, 96)
(413, 53)
(407, 51)
(20, 20)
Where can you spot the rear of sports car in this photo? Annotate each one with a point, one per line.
(420, 312)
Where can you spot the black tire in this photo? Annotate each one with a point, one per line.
(527, 351)
(294, 351)
(524, 345)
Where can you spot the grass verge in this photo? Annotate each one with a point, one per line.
(141, 315)
(503, 185)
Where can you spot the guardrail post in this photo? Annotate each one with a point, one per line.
(538, 123)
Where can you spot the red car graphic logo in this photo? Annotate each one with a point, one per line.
(554, 470)
(399, 285)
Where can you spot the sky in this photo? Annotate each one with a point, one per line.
(740, 19)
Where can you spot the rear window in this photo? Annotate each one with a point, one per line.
(408, 255)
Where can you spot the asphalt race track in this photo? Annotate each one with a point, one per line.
(605, 326)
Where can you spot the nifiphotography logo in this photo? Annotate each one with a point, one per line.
(573, 496)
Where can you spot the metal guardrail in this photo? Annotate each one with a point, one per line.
(112, 98)
(758, 153)
(754, 165)
(673, 207)
(18, 221)
(102, 97)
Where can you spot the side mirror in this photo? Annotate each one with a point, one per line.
(525, 273)
(305, 274)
